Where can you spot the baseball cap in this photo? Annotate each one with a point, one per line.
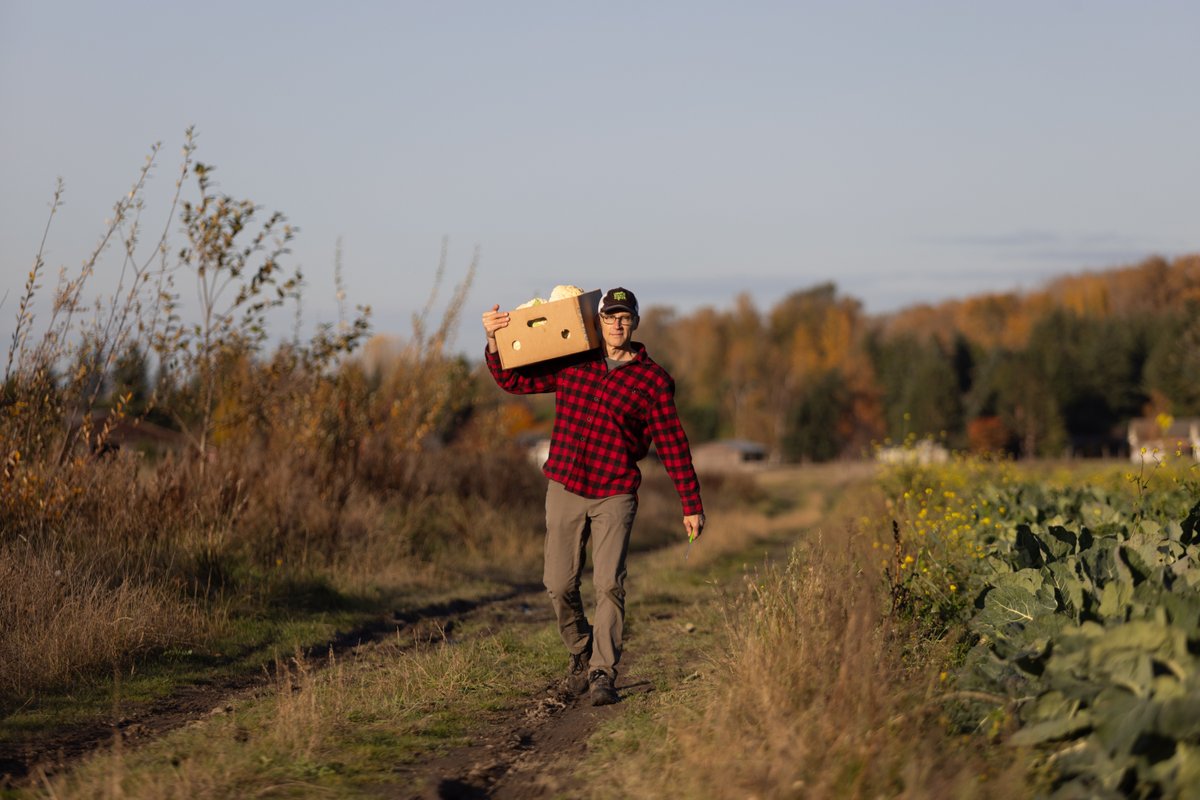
(619, 299)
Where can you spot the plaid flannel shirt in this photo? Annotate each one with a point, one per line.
(604, 421)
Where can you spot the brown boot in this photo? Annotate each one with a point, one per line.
(601, 692)
(576, 682)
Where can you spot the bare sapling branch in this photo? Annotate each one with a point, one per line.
(24, 311)
(134, 309)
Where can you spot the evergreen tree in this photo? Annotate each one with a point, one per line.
(920, 386)
(812, 433)
(1173, 363)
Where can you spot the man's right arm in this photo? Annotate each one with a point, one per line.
(510, 380)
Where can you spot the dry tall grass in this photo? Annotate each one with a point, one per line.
(820, 694)
(118, 558)
(299, 463)
(72, 616)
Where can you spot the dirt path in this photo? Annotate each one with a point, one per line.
(527, 752)
(531, 754)
(137, 723)
(530, 750)
(535, 751)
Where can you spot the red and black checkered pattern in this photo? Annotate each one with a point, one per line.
(604, 422)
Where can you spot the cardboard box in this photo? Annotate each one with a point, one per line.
(549, 330)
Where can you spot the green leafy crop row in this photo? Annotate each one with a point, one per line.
(1079, 608)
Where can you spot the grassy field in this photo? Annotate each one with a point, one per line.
(825, 638)
(345, 723)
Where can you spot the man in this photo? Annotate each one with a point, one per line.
(610, 403)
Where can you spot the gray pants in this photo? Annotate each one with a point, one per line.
(570, 521)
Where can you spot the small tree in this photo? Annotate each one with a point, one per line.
(239, 279)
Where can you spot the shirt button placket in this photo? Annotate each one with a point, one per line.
(595, 409)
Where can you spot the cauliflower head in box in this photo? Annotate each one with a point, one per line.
(561, 292)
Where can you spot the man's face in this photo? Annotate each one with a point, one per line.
(617, 327)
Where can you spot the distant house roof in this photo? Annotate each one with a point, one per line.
(112, 431)
(1160, 440)
(1149, 429)
(737, 445)
(729, 454)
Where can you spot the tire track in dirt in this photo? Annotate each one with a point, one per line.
(534, 753)
(538, 741)
(528, 752)
(139, 723)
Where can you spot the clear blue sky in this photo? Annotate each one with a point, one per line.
(908, 151)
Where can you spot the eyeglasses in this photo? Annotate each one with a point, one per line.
(612, 319)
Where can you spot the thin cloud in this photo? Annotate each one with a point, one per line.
(1031, 238)
(1040, 247)
(1084, 257)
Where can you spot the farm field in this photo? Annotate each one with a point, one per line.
(439, 660)
(972, 629)
(302, 307)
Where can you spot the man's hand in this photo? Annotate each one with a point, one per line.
(694, 525)
(493, 321)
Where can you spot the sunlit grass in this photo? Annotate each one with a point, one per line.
(810, 688)
(331, 726)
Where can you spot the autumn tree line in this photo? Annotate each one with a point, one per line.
(1054, 372)
(1058, 371)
